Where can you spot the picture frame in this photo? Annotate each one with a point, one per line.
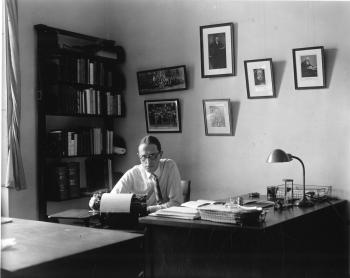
(163, 116)
(162, 80)
(217, 50)
(217, 117)
(309, 68)
(259, 78)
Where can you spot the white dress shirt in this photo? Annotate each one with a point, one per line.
(138, 181)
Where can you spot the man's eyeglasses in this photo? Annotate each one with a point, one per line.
(151, 156)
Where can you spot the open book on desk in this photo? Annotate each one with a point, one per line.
(178, 212)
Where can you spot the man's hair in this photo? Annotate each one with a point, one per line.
(149, 139)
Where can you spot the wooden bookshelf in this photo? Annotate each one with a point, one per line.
(78, 77)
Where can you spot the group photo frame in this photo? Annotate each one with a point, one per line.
(217, 50)
(309, 68)
(162, 80)
(259, 78)
(217, 117)
(163, 116)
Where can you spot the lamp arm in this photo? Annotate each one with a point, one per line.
(302, 164)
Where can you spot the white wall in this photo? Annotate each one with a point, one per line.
(311, 124)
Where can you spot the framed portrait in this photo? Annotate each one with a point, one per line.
(163, 115)
(217, 52)
(309, 69)
(162, 80)
(259, 78)
(217, 117)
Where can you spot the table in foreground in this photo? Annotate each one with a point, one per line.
(298, 242)
(46, 249)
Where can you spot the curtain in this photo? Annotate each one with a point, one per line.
(15, 171)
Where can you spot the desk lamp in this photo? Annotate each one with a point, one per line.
(278, 155)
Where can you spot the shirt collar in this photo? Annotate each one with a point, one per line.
(157, 172)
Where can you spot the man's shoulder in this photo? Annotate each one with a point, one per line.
(168, 162)
(135, 169)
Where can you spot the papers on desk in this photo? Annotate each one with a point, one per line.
(7, 243)
(198, 203)
(178, 212)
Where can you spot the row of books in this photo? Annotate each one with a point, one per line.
(65, 99)
(83, 71)
(78, 142)
(64, 181)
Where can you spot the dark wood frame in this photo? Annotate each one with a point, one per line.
(143, 90)
(250, 82)
(231, 47)
(322, 79)
(151, 129)
(229, 116)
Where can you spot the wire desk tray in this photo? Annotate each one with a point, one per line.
(232, 215)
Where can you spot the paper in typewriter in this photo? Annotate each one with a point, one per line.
(111, 202)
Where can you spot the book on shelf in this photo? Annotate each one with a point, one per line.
(73, 172)
(65, 99)
(64, 181)
(58, 183)
(80, 141)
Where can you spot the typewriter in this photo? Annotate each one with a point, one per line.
(121, 220)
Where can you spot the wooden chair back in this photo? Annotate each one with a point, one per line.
(186, 189)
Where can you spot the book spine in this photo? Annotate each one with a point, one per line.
(73, 170)
(58, 183)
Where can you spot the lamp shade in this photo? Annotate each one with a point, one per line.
(278, 155)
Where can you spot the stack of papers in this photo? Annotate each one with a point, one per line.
(178, 212)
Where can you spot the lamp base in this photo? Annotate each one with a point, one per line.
(304, 203)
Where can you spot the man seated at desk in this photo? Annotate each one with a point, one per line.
(157, 177)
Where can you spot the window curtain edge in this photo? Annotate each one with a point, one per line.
(15, 176)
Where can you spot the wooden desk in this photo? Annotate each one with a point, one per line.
(308, 242)
(46, 249)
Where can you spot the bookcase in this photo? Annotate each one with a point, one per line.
(79, 98)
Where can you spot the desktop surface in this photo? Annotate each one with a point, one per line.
(42, 247)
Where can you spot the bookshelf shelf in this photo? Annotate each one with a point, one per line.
(84, 155)
(78, 77)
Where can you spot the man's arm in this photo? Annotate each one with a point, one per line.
(124, 184)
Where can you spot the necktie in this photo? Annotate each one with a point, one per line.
(157, 191)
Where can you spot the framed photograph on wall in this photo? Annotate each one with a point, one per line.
(162, 80)
(309, 69)
(217, 117)
(217, 53)
(163, 115)
(259, 78)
